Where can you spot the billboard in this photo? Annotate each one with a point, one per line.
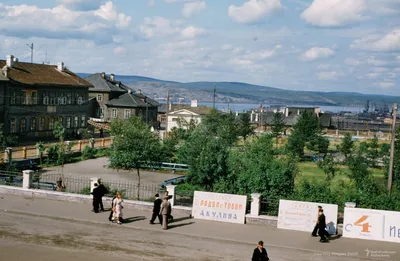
(219, 207)
(302, 216)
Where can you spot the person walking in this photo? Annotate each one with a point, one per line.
(170, 217)
(96, 196)
(165, 212)
(156, 210)
(110, 217)
(260, 253)
(102, 191)
(117, 208)
(315, 231)
(322, 225)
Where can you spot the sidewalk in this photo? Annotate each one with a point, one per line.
(246, 234)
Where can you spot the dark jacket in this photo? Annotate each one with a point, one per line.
(102, 190)
(96, 193)
(260, 256)
(322, 222)
(157, 205)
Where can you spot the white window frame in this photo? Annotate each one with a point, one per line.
(114, 113)
(127, 114)
(100, 97)
(80, 100)
(46, 100)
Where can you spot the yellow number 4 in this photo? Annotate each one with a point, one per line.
(365, 226)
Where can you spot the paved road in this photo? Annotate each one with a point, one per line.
(54, 225)
(99, 168)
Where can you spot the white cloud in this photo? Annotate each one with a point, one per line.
(352, 62)
(192, 32)
(376, 62)
(387, 43)
(60, 22)
(329, 75)
(333, 13)
(157, 26)
(316, 53)
(254, 10)
(82, 5)
(226, 47)
(190, 9)
(151, 2)
(119, 50)
(386, 84)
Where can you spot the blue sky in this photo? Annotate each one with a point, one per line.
(321, 45)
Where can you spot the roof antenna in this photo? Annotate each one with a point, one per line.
(45, 61)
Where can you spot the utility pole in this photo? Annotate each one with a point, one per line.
(390, 176)
(147, 110)
(261, 117)
(215, 89)
(166, 114)
(31, 47)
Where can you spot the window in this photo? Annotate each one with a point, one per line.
(69, 98)
(22, 125)
(83, 121)
(51, 123)
(13, 126)
(101, 112)
(99, 97)
(80, 100)
(25, 97)
(127, 114)
(76, 122)
(63, 100)
(61, 120)
(13, 98)
(114, 113)
(68, 124)
(46, 100)
(34, 97)
(42, 123)
(33, 124)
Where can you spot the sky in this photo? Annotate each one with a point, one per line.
(310, 45)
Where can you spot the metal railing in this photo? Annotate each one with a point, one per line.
(184, 198)
(269, 206)
(9, 178)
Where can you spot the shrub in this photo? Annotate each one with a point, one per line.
(52, 154)
(88, 153)
(85, 190)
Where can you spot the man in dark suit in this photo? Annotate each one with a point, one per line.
(102, 191)
(156, 210)
(260, 253)
(96, 197)
(315, 231)
(322, 225)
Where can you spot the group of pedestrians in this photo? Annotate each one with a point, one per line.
(320, 227)
(162, 210)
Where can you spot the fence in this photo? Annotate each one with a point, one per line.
(81, 185)
(184, 198)
(269, 206)
(26, 152)
(9, 178)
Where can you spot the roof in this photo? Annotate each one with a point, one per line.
(134, 100)
(105, 84)
(42, 74)
(202, 110)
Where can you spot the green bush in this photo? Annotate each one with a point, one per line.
(89, 153)
(85, 190)
(52, 154)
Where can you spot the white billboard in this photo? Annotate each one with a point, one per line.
(302, 216)
(219, 207)
(371, 224)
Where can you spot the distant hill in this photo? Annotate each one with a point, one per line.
(248, 93)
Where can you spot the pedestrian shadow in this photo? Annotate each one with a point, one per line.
(133, 219)
(180, 219)
(180, 225)
(335, 237)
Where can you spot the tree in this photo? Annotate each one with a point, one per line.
(306, 129)
(134, 146)
(41, 148)
(347, 145)
(328, 165)
(396, 160)
(278, 125)
(221, 125)
(373, 151)
(319, 144)
(244, 128)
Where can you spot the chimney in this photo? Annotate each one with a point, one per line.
(140, 91)
(112, 77)
(170, 106)
(10, 61)
(193, 104)
(16, 60)
(60, 66)
(103, 75)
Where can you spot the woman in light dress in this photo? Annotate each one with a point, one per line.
(117, 208)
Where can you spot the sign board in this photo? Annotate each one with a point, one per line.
(219, 207)
(371, 224)
(303, 216)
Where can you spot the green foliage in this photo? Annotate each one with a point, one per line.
(278, 125)
(320, 144)
(52, 154)
(85, 190)
(396, 161)
(328, 165)
(373, 151)
(85, 133)
(347, 145)
(41, 148)
(244, 128)
(89, 153)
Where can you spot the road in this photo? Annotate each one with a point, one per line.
(43, 230)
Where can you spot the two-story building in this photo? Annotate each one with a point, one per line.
(35, 96)
(114, 100)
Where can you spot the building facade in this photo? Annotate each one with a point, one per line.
(35, 96)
